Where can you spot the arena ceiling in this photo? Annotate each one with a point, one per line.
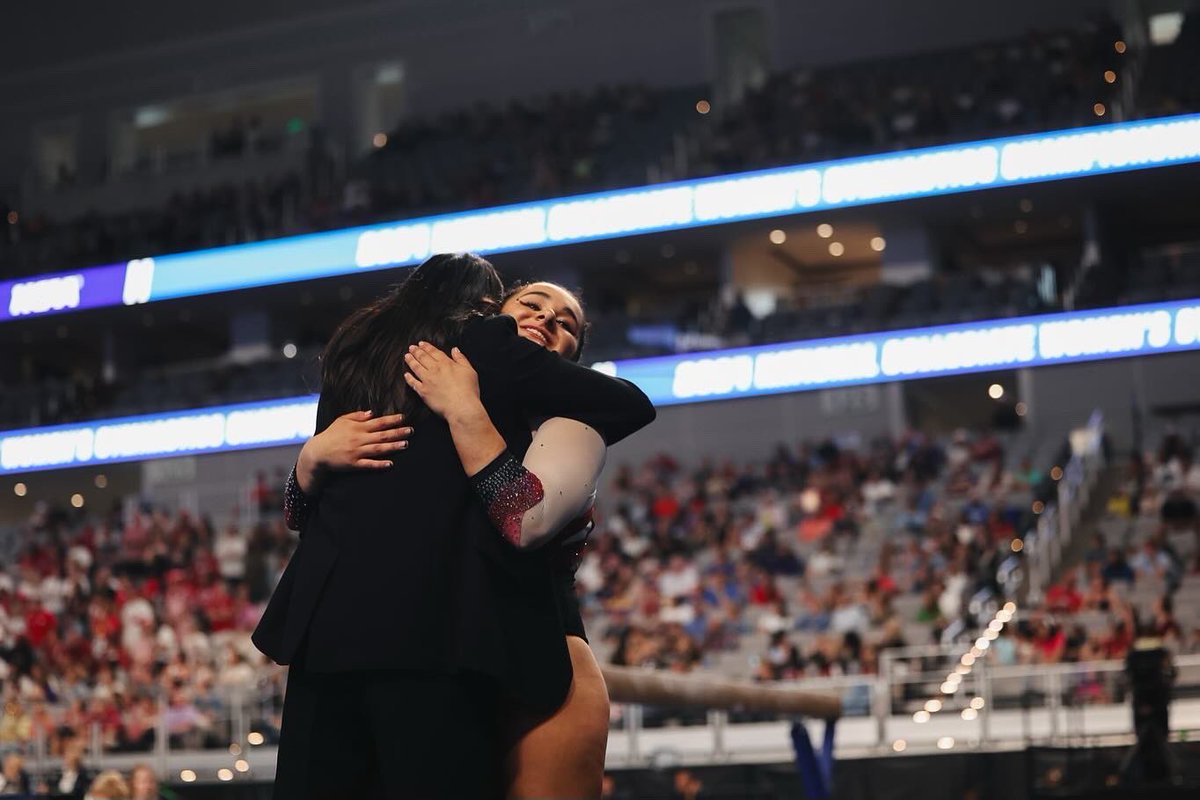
(38, 36)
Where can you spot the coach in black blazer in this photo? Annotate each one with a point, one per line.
(399, 575)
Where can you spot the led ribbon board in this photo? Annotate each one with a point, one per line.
(670, 380)
(209, 430)
(673, 206)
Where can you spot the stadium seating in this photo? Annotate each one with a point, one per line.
(628, 136)
(807, 564)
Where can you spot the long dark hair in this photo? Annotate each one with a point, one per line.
(363, 364)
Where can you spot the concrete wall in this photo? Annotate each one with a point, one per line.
(1062, 397)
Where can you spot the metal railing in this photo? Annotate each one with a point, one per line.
(1058, 523)
(995, 706)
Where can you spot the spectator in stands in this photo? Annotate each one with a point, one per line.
(16, 726)
(609, 790)
(1117, 569)
(1164, 625)
(109, 785)
(1152, 562)
(144, 785)
(1064, 595)
(681, 577)
(686, 786)
(782, 660)
(230, 551)
(1097, 553)
(73, 779)
(14, 781)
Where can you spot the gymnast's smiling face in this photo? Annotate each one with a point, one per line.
(548, 315)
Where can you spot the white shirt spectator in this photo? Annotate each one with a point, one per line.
(81, 556)
(53, 594)
(137, 622)
(824, 562)
(590, 576)
(950, 601)
(682, 613)
(681, 578)
(230, 552)
(852, 617)
(1150, 564)
(876, 492)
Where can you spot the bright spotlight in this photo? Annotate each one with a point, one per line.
(995, 391)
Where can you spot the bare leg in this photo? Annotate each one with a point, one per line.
(561, 757)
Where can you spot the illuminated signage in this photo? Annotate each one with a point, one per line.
(669, 380)
(674, 206)
(47, 294)
(209, 430)
(919, 353)
(52, 294)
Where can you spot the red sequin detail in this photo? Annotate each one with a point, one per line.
(508, 493)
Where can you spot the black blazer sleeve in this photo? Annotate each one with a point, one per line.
(546, 385)
(326, 412)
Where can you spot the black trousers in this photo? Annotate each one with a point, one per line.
(388, 735)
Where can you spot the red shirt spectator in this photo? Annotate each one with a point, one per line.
(1063, 596)
(38, 624)
(665, 506)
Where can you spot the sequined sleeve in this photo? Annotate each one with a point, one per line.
(296, 504)
(531, 501)
(508, 490)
